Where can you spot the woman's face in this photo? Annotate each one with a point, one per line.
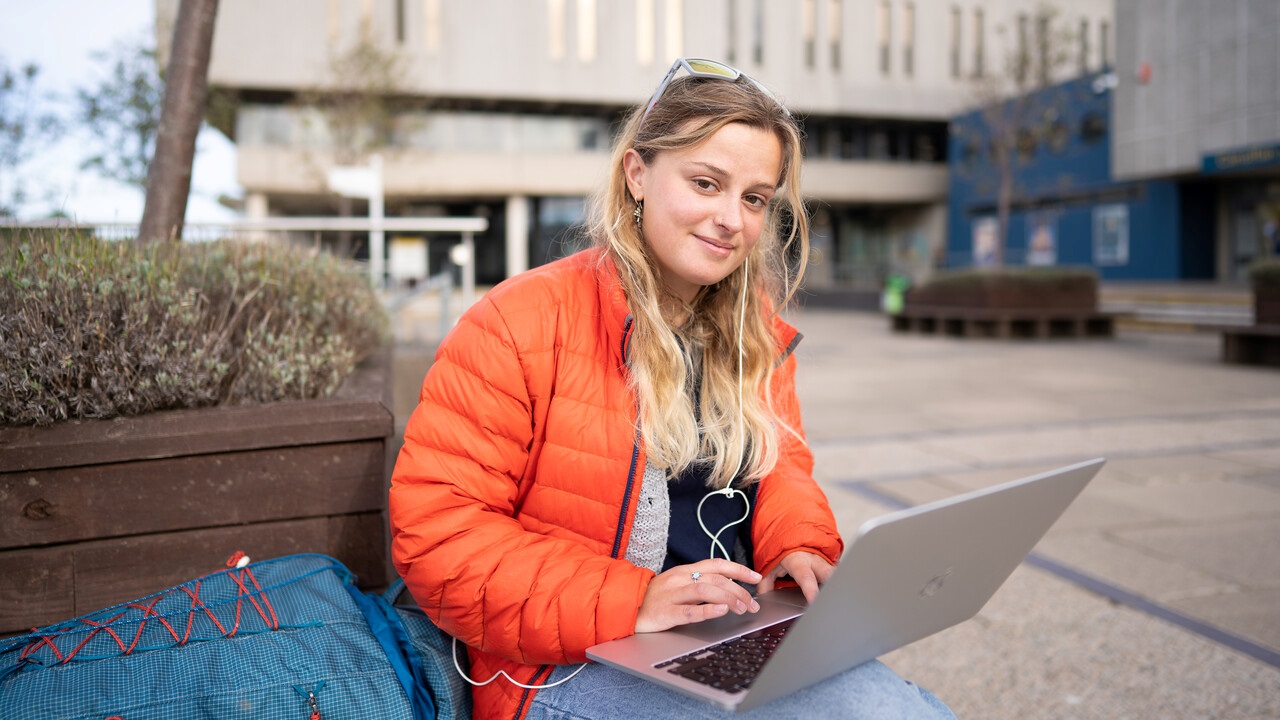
(704, 206)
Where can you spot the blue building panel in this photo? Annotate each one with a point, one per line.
(1065, 208)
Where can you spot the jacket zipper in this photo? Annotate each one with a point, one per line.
(635, 449)
(528, 692)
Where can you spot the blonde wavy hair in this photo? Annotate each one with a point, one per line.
(669, 364)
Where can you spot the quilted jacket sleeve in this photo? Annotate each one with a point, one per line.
(792, 512)
(456, 537)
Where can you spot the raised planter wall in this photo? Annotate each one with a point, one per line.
(1266, 307)
(1006, 305)
(94, 513)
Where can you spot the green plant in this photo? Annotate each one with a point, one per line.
(95, 329)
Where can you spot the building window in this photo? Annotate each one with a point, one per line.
(1058, 136)
(1025, 142)
(979, 44)
(731, 52)
(757, 33)
(1044, 65)
(431, 13)
(1093, 127)
(834, 19)
(1104, 43)
(587, 30)
(675, 28)
(555, 28)
(335, 22)
(645, 36)
(809, 22)
(909, 39)
(1084, 46)
(882, 35)
(955, 42)
(1022, 54)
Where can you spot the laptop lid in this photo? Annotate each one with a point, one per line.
(906, 575)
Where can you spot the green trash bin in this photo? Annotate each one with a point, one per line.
(894, 294)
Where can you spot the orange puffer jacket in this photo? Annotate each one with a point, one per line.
(512, 499)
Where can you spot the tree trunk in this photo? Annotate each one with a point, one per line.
(185, 92)
(1004, 199)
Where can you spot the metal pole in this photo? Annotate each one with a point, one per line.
(377, 237)
(469, 271)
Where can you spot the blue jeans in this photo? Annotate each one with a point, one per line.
(870, 690)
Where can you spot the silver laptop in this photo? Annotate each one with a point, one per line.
(906, 576)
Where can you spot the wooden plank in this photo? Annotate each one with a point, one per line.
(36, 589)
(115, 571)
(1246, 347)
(205, 430)
(132, 498)
(363, 543)
(1005, 323)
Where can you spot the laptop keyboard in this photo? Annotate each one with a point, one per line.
(733, 664)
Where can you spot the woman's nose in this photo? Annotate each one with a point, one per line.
(730, 217)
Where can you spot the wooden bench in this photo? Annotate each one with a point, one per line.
(1030, 323)
(1250, 344)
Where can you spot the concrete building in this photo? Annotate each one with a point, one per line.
(1197, 101)
(506, 109)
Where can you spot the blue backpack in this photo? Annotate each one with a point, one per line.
(289, 639)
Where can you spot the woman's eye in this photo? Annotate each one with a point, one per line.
(756, 200)
(704, 184)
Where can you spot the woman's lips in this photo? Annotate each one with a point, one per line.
(716, 247)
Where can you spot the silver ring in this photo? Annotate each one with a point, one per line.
(697, 576)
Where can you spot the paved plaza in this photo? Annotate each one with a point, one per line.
(1156, 596)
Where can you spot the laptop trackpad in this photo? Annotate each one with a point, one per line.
(775, 607)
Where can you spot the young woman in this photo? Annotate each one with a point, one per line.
(611, 444)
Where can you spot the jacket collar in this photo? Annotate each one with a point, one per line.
(615, 315)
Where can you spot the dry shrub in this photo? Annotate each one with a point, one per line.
(96, 329)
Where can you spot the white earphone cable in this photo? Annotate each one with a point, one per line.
(503, 673)
(729, 490)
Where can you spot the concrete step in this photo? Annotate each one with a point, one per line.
(1177, 307)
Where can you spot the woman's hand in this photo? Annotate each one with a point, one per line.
(676, 598)
(807, 569)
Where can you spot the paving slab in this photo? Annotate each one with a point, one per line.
(1197, 501)
(1245, 551)
(1251, 613)
(1122, 564)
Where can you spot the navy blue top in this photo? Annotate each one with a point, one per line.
(686, 542)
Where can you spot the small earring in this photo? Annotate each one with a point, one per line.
(638, 214)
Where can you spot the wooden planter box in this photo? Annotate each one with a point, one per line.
(1019, 304)
(1266, 306)
(1010, 291)
(94, 513)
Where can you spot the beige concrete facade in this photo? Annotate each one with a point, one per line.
(1197, 79)
(518, 99)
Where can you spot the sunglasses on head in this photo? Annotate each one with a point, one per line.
(700, 68)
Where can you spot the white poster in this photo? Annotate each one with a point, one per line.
(984, 242)
(1111, 235)
(1042, 240)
